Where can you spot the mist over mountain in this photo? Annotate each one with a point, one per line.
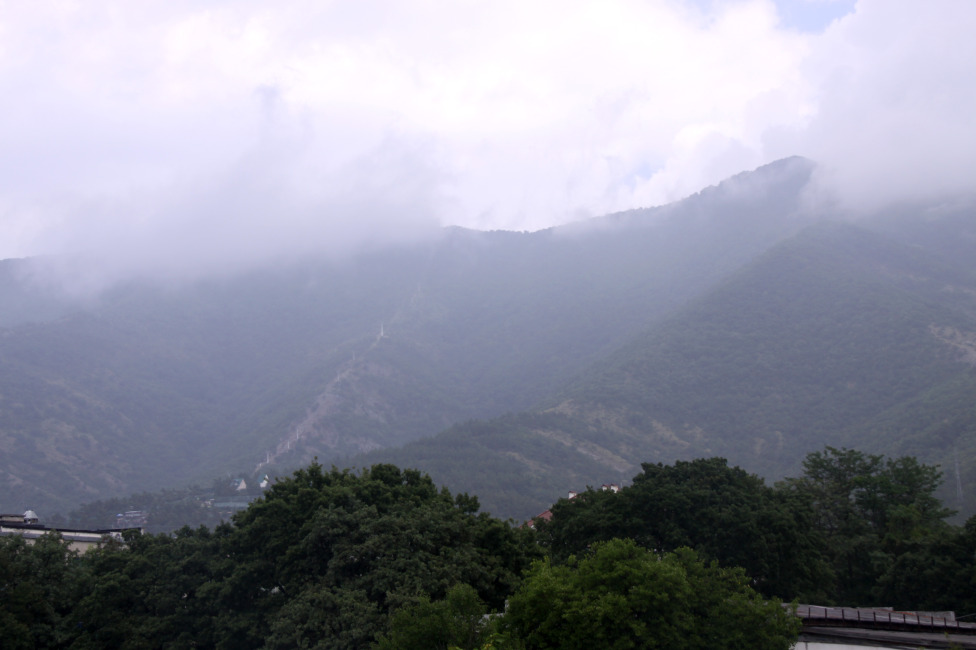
(733, 322)
(835, 336)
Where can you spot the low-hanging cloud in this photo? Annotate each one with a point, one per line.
(894, 105)
(271, 206)
(183, 138)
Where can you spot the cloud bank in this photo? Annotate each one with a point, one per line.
(201, 136)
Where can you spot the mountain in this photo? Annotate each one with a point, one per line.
(837, 336)
(730, 322)
(153, 384)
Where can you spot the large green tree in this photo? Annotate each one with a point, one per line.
(872, 510)
(936, 573)
(621, 596)
(154, 591)
(722, 512)
(461, 621)
(39, 584)
(324, 560)
(327, 556)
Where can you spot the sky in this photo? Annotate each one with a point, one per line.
(200, 135)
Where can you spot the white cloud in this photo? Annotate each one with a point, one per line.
(895, 102)
(200, 134)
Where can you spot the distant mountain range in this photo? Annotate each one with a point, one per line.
(737, 322)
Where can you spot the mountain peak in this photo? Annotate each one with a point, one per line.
(785, 177)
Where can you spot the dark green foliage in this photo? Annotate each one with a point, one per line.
(855, 529)
(876, 514)
(326, 556)
(40, 584)
(722, 512)
(323, 561)
(621, 596)
(336, 559)
(154, 593)
(936, 573)
(461, 620)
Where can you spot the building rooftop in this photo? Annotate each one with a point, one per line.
(883, 627)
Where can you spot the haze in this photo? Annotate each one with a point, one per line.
(188, 137)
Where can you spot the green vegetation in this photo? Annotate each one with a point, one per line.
(40, 585)
(724, 325)
(322, 560)
(696, 555)
(623, 596)
(460, 620)
(871, 510)
(722, 512)
(855, 529)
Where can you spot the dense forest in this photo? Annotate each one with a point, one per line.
(696, 554)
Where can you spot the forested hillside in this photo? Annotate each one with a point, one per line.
(154, 384)
(836, 336)
(739, 321)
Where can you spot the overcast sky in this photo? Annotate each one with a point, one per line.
(213, 132)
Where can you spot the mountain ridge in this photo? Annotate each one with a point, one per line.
(761, 382)
(152, 386)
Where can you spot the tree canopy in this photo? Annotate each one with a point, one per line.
(722, 512)
(332, 554)
(622, 596)
(322, 561)
(871, 510)
(692, 555)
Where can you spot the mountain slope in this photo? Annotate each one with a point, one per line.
(837, 336)
(150, 385)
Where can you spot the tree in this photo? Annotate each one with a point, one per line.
(871, 510)
(323, 561)
(722, 512)
(460, 621)
(39, 584)
(936, 573)
(153, 591)
(621, 596)
(326, 557)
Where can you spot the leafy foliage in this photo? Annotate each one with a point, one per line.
(722, 512)
(461, 620)
(382, 558)
(321, 561)
(871, 510)
(39, 586)
(623, 596)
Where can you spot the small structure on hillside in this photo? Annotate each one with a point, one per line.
(547, 515)
(132, 519)
(230, 504)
